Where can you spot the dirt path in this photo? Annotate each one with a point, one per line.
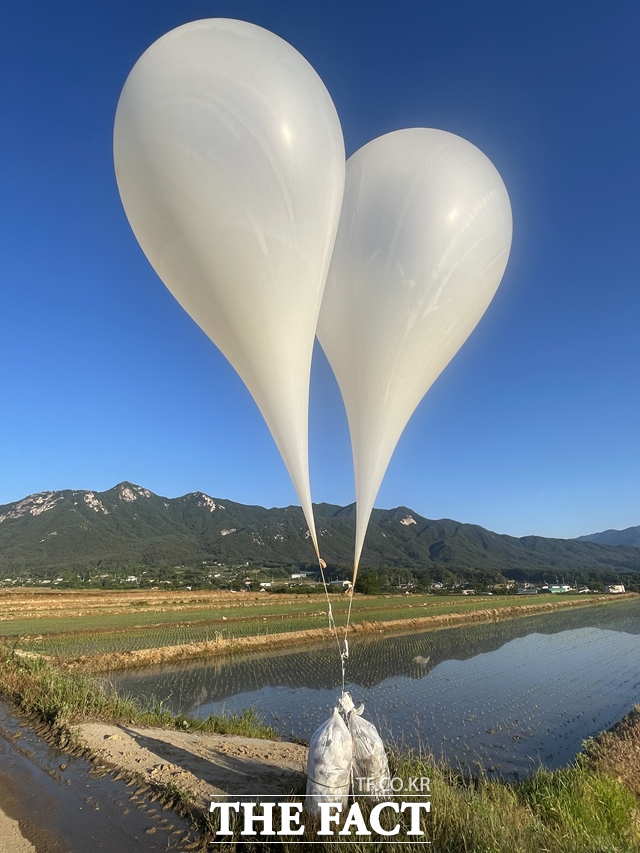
(11, 839)
(203, 764)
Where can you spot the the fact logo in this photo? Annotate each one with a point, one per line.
(281, 820)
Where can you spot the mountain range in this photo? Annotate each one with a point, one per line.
(628, 536)
(130, 525)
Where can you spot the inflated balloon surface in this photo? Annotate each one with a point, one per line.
(230, 164)
(423, 243)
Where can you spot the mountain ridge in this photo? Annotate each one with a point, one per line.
(129, 524)
(628, 536)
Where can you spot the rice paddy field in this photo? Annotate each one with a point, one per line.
(506, 696)
(70, 625)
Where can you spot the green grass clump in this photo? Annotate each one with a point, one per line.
(64, 698)
(593, 810)
(570, 810)
(39, 688)
(246, 723)
(176, 794)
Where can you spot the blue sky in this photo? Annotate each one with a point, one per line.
(535, 425)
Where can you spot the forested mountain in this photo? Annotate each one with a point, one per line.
(628, 536)
(129, 525)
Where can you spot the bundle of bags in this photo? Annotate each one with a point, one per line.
(341, 753)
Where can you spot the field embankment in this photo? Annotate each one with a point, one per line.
(121, 630)
(110, 661)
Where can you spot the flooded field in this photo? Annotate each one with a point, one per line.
(506, 696)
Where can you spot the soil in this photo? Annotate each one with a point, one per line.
(209, 766)
(36, 604)
(205, 765)
(11, 839)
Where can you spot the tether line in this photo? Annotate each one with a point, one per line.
(332, 624)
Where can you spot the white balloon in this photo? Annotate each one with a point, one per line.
(422, 245)
(230, 164)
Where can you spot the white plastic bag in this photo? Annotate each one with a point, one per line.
(370, 766)
(329, 764)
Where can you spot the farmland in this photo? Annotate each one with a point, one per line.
(492, 697)
(70, 625)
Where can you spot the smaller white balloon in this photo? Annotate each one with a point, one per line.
(422, 245)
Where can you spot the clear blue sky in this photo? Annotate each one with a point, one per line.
(533, 428)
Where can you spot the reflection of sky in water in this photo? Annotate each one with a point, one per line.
(513, 702)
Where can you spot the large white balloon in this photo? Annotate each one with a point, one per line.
(230, 163)
(422, 245)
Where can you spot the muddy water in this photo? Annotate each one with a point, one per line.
(62, 808)
(506, 695)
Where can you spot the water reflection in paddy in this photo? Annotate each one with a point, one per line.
(505, 695)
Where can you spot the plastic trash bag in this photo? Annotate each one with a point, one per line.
(329, 764)
(370, 766)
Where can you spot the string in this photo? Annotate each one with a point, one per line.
(344, 654)
(346, 630)
(332, 624)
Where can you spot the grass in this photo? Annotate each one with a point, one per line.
(617, 752)
(176, 794)
(63, 699)
(565, 811)
(571, 810)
